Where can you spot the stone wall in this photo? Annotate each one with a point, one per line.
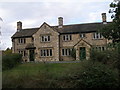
(21, 46)
(53, 44)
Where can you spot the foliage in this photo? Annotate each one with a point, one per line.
(97, 75)
(73, 53)
(7, 51)
(10, 60)
(109, 56)
(112, 31)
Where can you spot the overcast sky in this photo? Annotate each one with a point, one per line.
(33, 13)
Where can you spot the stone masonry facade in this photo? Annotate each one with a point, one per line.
(56, 43)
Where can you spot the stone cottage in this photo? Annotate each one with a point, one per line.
(56, 43)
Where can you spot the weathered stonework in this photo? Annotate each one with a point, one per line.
(34, 49)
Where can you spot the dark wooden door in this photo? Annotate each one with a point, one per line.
(82, 53)
(31, 55)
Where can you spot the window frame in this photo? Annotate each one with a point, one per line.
(46, 52)
(21, 40)
(97, 35)
(100, 48)
(45, 38)
(67, 37)
(66, 51)
(82, 35)
(23, 52)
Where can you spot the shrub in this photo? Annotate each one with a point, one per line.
(10, 60)
(73, 53)
(110, 57)
(97, 75)
(94, 75)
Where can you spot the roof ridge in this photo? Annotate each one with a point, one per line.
(80, 24)
(31, 28)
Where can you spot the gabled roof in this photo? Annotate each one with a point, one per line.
(84, 41)
(66, 29)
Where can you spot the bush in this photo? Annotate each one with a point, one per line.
(94, 75)
(110, 57)
(73, 53)
(97, 75)
(10, 60)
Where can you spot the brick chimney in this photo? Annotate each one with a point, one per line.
(19, 26)
(60, 22)
(104, 18)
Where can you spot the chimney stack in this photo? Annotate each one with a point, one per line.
(19, 26)
(104, 18)
(60, 22)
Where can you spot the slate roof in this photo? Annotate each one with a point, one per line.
(25, 33)
(79, 28)
(66, 29)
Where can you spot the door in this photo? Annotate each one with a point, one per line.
(31, 55)
(82, 53)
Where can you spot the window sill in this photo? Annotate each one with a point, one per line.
(67, 41)
(46, 56)
(21, 43)
(83, 37)
(65, 55)
(97, 39)
(46, 42)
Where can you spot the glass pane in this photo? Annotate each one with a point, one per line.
(48, 38)
(50, 52)
(70, 37)
(66, 52)
(41, 52)
(47, 52)
(63, 52)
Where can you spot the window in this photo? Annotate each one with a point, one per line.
(67, 37)
(66, 52)
(82, 35)
(23, 52)
(99, 48)
(97, 36)
(46, 52)
(45, 38)
(22, 40)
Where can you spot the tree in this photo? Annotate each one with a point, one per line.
(112, 31)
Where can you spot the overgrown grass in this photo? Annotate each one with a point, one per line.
(59, 75)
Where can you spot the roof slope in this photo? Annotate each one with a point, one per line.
(25, 32)
(66, 29)
(79, 28)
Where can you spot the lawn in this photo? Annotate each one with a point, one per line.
(36, 68)
(13, 77)
(58, 75)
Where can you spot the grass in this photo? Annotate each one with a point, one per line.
(48, 75)
(35, 68)
(36, 71)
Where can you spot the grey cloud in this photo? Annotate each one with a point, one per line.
(39, 12)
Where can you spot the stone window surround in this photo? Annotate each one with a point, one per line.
(65, 51)
(22, 51)
(21, 40)
(46, 52)
(45, 38)
(100, 48)
(97, 36)
(82, 35)
(67, 37)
